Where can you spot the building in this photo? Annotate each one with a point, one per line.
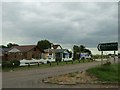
(23, 52)
(4, 54)
(57, 52)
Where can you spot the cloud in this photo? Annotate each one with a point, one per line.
(64, 23)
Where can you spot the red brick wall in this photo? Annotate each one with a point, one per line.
(34, 53)
(14, 56)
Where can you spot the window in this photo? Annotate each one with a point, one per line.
(50, 53)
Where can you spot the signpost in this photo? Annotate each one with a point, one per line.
(113, 46)
(108, 46)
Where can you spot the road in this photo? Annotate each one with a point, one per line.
(33, 78)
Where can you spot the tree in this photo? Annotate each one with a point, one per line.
(2, 46)
(9, 45)
(76, 50)
(44, 44)
(82, 48)
(88, 51)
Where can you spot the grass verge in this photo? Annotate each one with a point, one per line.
(108, 73)
(54, 64)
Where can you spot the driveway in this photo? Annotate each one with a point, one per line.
(33, 78)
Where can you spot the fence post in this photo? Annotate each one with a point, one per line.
(50, 63)
(57, 63)
(72, 61)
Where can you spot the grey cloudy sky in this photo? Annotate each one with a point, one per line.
(65, 23)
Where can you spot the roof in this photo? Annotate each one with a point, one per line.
(14, 50)
(56, 50)
(24, 48)
(56, 46)
(3, 50)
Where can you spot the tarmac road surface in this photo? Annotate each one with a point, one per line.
(33, 78)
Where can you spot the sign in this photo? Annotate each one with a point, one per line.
(108, 46)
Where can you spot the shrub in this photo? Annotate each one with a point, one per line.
(48, 61)
(4, 64)
(16, 63)
(8, 64)
(58, 59)
(107, 63)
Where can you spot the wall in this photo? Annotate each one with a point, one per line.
(34, 53)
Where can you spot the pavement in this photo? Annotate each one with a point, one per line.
(34, 78)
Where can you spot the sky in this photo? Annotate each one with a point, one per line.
(64, 23)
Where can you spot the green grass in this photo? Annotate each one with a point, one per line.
(54, 64)
(106, 73)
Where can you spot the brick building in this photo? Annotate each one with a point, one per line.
(23, 52)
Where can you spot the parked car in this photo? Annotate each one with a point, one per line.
(51, 60)
(43, 61)
(85, 56)
(67, 59)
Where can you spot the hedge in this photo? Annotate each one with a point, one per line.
(8, 64)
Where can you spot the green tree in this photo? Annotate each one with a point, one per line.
(9, 45)
(76, 48)
(76, 51)
(2, 46)
(88, 51)
(82, 48)
(44, 44)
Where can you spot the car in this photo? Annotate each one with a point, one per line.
(51, 60)
(67, 59)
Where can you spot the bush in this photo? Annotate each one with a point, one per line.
(48, 61)
(83, 58)
(16, 63)
(107, 63)
(58, 59)
(8, 64)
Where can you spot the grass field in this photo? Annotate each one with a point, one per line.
(54, 64)
(108, 73)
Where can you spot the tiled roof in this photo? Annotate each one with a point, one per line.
(55, 50)
(24, 48)
(3, 50)
(14, 50)
(56, 46)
